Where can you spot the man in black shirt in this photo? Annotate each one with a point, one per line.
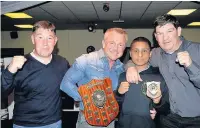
(35, 79)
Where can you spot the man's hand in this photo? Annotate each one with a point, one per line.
(184, 59)
(123, 88)
(155, 97)
(132, 75)
(153, 113)
(16, 63)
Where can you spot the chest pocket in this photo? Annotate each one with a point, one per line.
(95, 72)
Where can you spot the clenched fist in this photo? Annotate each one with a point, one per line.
(184, 59)
(16, 63)
(123, 88)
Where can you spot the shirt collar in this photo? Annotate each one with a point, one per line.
(182, 47)
(145, 68)
(103, 56)
(39, 59)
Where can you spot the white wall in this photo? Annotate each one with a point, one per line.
(73, 43)
(192, 34)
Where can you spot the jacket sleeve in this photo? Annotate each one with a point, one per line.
(7, 82)
(194, 69)
(129, 64)
(75, 73)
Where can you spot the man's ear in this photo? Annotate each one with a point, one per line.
(32, 39)
(150, 53)
(179, 29)
(103, 43)
(56, 40)
(155, 35)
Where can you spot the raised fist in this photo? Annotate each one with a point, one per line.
(123, 88)
(16, 63)
(184, 58)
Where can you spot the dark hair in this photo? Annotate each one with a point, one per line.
(164, 19)
(44, 25)
(141, 39)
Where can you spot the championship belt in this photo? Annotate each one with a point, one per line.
(100, 105)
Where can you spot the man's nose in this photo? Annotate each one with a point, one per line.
(45, 42)
(140, 53)
(166, 37)
(115, 47)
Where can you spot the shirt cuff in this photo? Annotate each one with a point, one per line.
(156, 105)
(8, 73)
(193, 69)
(118, 94)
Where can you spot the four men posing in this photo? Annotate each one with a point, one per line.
(38, 77)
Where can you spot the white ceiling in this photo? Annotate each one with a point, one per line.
(77, 14)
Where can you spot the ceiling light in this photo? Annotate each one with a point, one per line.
(18, 15)
(24, 26)
(194, 24)
(118, 21)
(181, 12)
